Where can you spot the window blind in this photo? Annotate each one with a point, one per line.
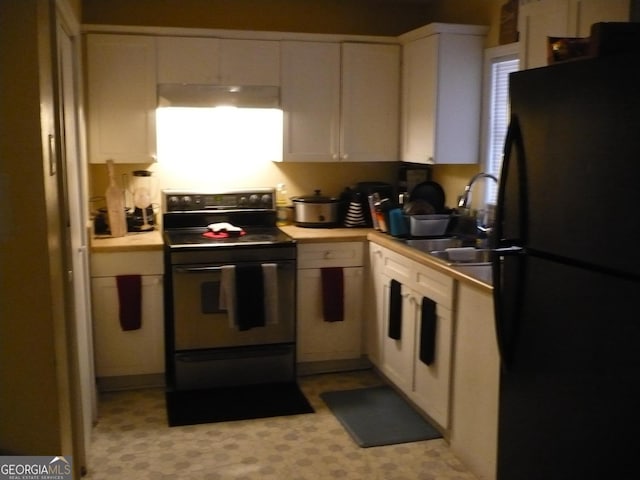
(499, 112)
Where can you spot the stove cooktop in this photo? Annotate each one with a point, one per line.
(188, 213)
(256, 236)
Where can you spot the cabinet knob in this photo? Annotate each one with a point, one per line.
(327, 254)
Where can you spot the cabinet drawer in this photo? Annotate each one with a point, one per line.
(397, 267)
(433, 284)
(338, 254)
(126, 263)
(424, 280)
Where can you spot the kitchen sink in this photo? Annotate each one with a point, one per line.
(432, 244)
(463, 256)
(481, 271)
(473, 262)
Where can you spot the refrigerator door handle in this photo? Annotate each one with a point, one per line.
(507, 299)
(513, 143)
(509, 254)
(508, 251)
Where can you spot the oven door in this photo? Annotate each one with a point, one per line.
(201, 321)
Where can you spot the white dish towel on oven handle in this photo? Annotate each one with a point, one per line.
(227, 294)
(270, 282)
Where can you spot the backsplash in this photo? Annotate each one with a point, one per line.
(300, 178)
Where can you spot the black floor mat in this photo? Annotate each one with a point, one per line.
(378, 416)
(235, 403)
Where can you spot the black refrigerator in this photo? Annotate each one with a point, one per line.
(567, 273)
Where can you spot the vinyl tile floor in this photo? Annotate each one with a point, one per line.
(132, 440)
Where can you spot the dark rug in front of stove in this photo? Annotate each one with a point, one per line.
(235, 403)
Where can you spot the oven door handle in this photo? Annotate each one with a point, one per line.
(201, 269)
(197, 269)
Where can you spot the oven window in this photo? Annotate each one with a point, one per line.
(210, 297)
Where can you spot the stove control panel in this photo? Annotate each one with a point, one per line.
(189, 201)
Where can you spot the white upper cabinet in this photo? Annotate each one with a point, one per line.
(370, 117)
(121, 73)
(310, 100)
(340, 101)
(215, 61)
(584, 13)
(441, 94)
(539, 19)
(250, 62)
(188, 60)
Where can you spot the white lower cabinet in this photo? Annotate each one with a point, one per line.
(427, 385)
(398, 354)
(431, 382)
(377, 286)
(476, 383)
(126, 353)
(317, 339)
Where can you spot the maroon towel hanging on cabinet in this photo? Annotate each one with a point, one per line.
(332, 294)
(130, 299)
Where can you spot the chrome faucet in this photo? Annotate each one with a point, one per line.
(465, 198)
(483, 231)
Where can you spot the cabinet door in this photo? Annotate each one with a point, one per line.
(537, 20)
(133, 352)
(370, 117)
(376, 306)
(121, 73)
(584, 13)
(188, 60)
(398, 355)
(214, 61)
(250, 62)
(431, 387)
(459, 97)
(476, 379)
(310, 92)
(319, 340)
(419, 63)
(442, 78)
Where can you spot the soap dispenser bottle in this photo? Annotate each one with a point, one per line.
(282, 205)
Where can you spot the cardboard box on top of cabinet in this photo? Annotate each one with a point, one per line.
(508, 22)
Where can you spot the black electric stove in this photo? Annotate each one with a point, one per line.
(205, 345)
(188, 215)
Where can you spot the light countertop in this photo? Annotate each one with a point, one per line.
(424, 258)
(153, 241)
(131, 242)
(317, 235)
